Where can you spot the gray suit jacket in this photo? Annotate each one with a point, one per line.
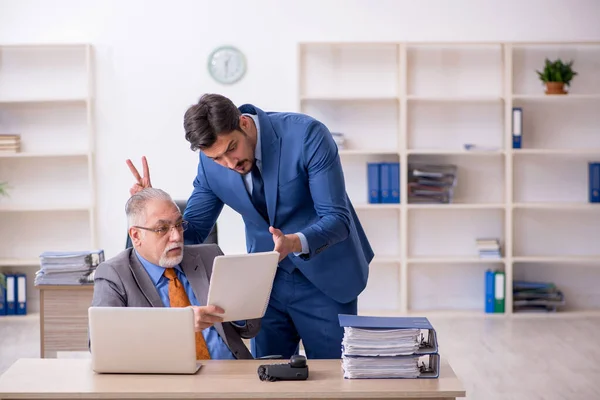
(123, 282)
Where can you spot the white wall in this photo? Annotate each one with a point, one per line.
(151, 64)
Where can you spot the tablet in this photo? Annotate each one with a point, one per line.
(241, 284)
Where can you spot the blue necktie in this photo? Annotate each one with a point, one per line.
(258, 193)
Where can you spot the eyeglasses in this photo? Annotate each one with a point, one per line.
(163, 230)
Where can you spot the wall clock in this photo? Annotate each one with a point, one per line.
(227, 64)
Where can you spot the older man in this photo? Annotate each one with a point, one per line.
(161, 272)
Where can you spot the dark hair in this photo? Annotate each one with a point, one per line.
(213, 115)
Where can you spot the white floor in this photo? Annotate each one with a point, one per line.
(517, 358)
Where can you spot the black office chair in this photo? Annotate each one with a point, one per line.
(211, 238)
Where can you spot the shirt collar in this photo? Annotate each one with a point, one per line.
(155, 271)
(257, 149)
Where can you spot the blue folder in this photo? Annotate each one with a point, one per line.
(428, 346)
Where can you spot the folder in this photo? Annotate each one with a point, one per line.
(594, 182)
(21, 294)
(395, 182)
(428, 345)
(499, 283)
(386, 367)
(517, 127)
(2, 297)
(490, 301)
(373, 182)
(11, 295)
(385, 183)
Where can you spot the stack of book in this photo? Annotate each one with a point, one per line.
(68, 268)
(536, 297)
(488, 248)
(430, 183)
(10, 143)
(384, 347)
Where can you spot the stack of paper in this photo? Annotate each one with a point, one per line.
(380, 347)
(68, 268)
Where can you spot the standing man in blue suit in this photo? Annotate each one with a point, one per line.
(282, 173)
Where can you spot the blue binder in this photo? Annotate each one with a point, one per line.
(594, 182)
(517, 127)
(395, 182)
(21, 294)
(373, 183)
(11, 295)
(428, 346)
(385, 182)
(489, 291)
(2, 298)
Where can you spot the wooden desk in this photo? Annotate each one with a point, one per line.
(64, 318)
(73, 378)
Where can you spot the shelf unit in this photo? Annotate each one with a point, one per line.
(46, 96)
(405, 102)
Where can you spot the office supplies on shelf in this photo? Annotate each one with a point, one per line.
(488, 248)
(388, 347)
(476, 147)
(229, 288)
(431, 183)
(383, 182)
(594, 182)
(517, 127)
(536, 297)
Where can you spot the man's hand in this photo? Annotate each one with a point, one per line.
(141, 183)
(204, 316)
(285, 244)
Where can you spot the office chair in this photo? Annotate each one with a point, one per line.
(211, 238)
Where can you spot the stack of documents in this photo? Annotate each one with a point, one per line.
(536, 297)
(488, 248)
(68, 268)
(382, 347)
(428, 183)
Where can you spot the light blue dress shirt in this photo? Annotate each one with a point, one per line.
(216, 346)
(248, 179)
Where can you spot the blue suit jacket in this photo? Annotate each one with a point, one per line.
(305, 192)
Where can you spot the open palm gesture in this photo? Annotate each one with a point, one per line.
(141, 182)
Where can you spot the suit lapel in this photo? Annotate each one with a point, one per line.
(144, 282)
(195, 271)
(270, 149)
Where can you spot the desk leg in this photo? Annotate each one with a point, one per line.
(42, 344)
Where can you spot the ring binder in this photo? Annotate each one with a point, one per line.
(387, 347)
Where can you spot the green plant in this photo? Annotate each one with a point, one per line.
(557, 71)
(3, 187)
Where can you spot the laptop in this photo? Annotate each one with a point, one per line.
(143, 340)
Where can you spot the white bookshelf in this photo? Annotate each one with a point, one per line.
(406, 102)
(46, 96)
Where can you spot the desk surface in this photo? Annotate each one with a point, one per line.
(74, 378)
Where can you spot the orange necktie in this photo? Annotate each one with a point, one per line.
(179, 298)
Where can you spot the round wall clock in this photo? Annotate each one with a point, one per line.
(227, 64)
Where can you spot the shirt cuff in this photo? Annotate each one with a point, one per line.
(305, 249)
(239, 324)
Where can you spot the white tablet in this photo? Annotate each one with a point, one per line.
(241, 284)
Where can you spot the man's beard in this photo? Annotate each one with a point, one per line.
(167, 261)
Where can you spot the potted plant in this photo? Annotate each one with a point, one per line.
(556, 75)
